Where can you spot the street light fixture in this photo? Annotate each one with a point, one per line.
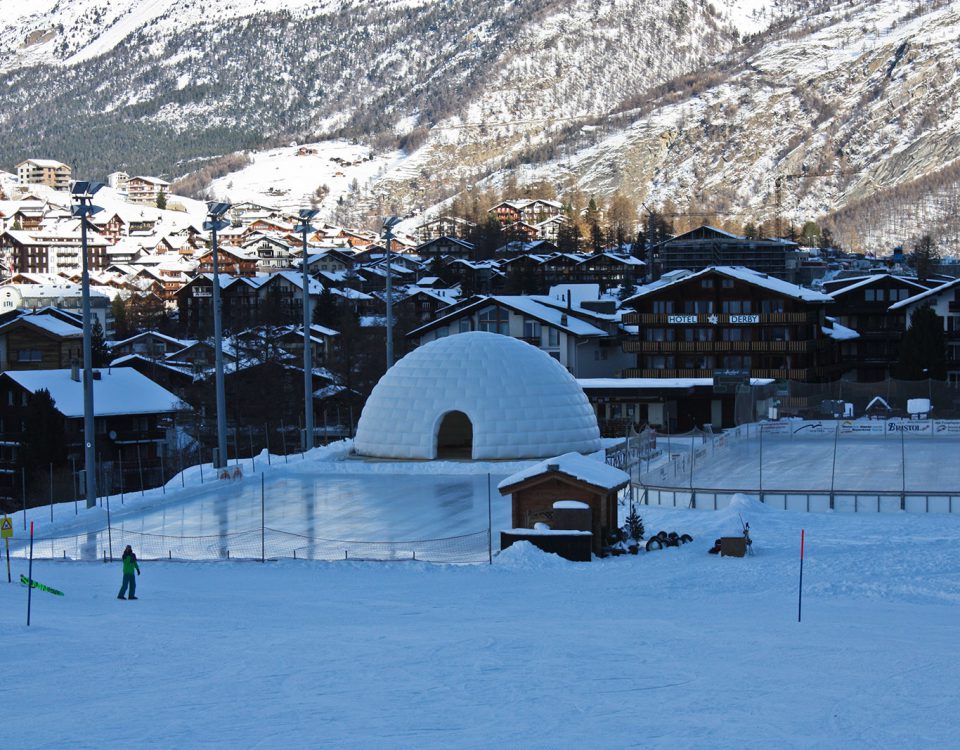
(304, 228)
(388, 226)
(82, 195)
(215, 222)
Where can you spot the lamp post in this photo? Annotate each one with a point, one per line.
(388, 226)
(215, 222)
(82, 193)
(304, 228)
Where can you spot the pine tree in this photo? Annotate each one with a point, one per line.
(634, 525)
(161, 200)
(98, 346)
(923, 349)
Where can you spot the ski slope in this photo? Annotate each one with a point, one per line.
(671, 649)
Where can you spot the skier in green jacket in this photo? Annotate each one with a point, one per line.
(129, 565)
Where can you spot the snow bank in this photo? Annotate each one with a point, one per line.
(526, 556)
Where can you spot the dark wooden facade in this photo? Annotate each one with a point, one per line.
(713, 321)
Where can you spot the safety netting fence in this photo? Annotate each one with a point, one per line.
(255, 544)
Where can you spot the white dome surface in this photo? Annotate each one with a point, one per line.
(521, 402)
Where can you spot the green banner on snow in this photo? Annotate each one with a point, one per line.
(39, 586)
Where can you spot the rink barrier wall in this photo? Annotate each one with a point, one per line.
(810, 501)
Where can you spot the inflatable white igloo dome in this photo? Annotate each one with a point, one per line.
(476, 395)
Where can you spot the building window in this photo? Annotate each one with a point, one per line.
(736, 307)
(726, 284)
(706, 283)
(698, 334)
(772, 306)
(659, 334)
(443, 332)
(465, 325)
(697, 362)
(737, 334)
(553, 337)
(29, 355)
(698, 306)
(662, 307)
(736, 362)
(531, 329)
(494, 320)
(661, 362)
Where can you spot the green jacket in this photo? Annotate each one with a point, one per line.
(130, 563)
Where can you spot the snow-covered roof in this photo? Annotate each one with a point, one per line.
(528, 306)
(629, 384)
(48, 323)
(878, 401)
(119, 390)
(867, 280)
(748, 276)
(521, 403)
(575, 465)
(43, 163)
(155, 334)
(924, 295)
(839, 332)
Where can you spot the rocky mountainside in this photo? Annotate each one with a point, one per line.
(731, 110)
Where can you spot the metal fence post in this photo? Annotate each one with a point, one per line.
(140, 469)
(51, 493)
(263, 543)
(266, 440)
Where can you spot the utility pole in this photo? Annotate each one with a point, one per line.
(388, 226)
(215, 222)
(304, 228)
(82, 193)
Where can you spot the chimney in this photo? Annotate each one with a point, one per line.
(74, 371)
(569, 301)
(553, 467)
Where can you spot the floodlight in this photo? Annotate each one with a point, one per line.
(85, 188)
(217, 209)
(219, 224)
(391, 223)
(308, 214)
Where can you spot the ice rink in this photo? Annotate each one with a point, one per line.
(806, 463)
(318, 508)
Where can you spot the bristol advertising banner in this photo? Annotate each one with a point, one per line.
(910, 426)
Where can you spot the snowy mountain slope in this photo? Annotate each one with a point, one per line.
(857, 104)
(837, 103)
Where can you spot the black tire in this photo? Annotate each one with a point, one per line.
(662, 535)
(653, 544)
(684, 538)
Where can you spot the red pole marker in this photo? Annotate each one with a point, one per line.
(800, 596)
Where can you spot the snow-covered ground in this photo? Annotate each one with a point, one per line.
(667, 649)
(284, 178)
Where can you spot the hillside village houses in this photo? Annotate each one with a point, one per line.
(640, 331)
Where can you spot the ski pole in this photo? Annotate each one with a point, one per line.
(800, 595)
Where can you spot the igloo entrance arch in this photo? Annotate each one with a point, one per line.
(455, 436)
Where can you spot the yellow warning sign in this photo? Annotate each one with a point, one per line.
(6, 528)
